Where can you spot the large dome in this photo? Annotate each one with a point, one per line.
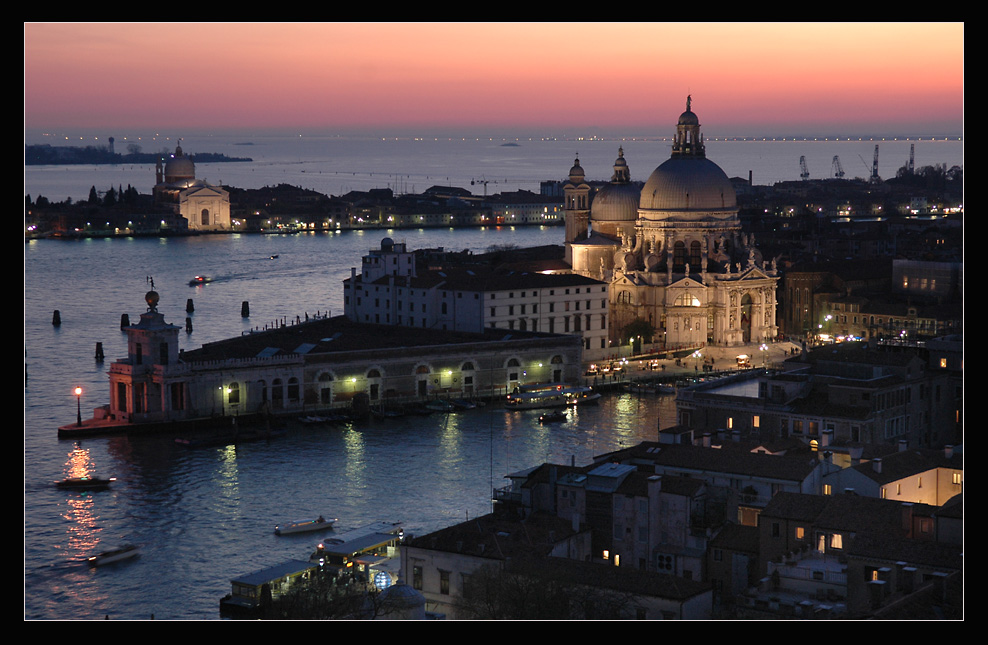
(688, 183)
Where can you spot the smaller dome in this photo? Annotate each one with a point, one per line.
(577, 170)
(688, 118)
(616, 203)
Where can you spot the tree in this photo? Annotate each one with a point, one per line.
(638, 327)
(93, 195)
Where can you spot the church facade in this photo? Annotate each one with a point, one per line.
(204, 206)
(672, 250)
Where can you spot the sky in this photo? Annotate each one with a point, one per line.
(533, 79)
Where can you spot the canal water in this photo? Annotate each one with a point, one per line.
(205, 516)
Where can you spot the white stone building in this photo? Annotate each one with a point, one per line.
(389, 290)
(206, 207)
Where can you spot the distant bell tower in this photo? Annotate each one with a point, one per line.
(576, 192)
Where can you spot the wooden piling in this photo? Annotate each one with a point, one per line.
(56, 318)
(245, 310)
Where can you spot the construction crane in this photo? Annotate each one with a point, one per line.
(838, 169)
(804, 174)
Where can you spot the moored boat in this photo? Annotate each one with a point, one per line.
(550, 395)
(553, 417)
(304, 526)
(115, 554)
(85, 483)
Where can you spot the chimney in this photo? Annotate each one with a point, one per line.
(903, 445)
(706, 439)
(876, 464)
(826, 438)
(948, 451)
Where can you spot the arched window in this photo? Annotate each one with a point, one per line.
(687, 300)
(325, 388)
(679, 254)
(277, 393)
(695, 254)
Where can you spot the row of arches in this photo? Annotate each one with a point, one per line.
(328, 387)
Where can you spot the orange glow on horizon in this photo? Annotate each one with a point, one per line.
(411, 75)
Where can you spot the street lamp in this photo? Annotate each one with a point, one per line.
(764, 348)
(78, 406)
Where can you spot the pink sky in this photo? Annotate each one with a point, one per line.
(552, 78)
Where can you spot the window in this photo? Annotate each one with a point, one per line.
(836, 541)
(417, 577)
(800, 533)
(444, 582)
(234, 396)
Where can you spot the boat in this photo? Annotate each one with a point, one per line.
(232, 438)
(274, 257)
(85, 483)
(304, 526)
(199, 279)
(463, 404)
(115, 554)
(550, 395)
(553, 417)
(581, 396)
(440, 405)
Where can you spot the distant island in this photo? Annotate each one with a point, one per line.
(48, 155)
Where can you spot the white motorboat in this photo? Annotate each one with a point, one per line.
(115, 554)
(304, 526)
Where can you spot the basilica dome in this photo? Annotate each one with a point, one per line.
(688, 183)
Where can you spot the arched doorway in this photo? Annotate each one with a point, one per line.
(746, 307)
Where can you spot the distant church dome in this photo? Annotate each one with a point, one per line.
(618, 201)
(179, 169)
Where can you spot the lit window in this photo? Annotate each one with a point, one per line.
(756, 421)
(800, 533)
(827, 490)
(836, 542)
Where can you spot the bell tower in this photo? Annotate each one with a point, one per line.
(576, 192)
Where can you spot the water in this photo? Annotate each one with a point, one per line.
(336, 165)
(205, 516)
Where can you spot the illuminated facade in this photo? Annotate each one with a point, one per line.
(673, 251)
(206, 207)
